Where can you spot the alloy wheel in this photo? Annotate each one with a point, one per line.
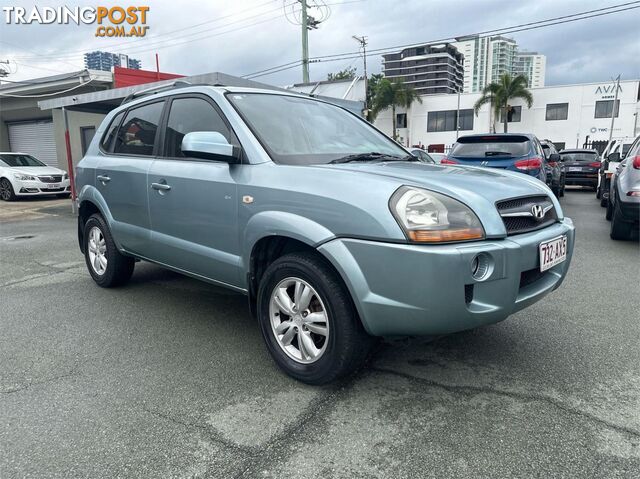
(5, 190)
(299, 320)
(97, 251)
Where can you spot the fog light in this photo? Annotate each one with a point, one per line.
(480, 265)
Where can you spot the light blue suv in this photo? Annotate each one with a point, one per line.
(333, 231)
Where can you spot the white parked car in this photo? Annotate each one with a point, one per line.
(23, 175)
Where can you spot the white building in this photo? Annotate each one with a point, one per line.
(487, 58)
(533, 66)
(568, 115)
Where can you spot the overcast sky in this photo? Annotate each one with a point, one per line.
(242, 37)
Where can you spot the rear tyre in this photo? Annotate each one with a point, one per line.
(620, 229)
(6, 190)
(308, 320)
(609, 212)
(107, 266)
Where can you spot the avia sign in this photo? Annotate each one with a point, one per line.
(607, 89)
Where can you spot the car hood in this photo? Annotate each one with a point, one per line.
(468, 184)
(37, 170)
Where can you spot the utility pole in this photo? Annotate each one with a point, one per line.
(458, 118)
(305, 42)
(613, 110)
(363, 43)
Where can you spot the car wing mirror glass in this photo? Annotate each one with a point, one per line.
(614, 157)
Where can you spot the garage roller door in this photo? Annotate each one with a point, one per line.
(34, 138)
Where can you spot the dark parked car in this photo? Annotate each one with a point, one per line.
(582, 167)
(556, 173)
(507, 151)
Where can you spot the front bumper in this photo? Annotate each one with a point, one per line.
(403, 289)
(37, 187)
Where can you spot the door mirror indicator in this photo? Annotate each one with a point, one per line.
(210, 145)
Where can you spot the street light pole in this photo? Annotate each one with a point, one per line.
(363, 43)
(613, 110)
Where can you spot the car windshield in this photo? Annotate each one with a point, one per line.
(483, 147)
(302, 131)
(20, 160)
(579, 156)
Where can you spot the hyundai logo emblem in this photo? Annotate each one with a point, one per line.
(537, 211)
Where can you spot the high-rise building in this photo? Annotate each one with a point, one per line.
(533, 66)
(487, 58)
(428, 69)
(105, 61)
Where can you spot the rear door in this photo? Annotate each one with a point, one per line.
(194, 211)
(121, 175)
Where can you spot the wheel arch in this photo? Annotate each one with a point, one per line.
(90, 201)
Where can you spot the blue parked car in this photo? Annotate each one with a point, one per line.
(508, 151)
(331, 229)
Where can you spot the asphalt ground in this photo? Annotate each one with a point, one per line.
(168, 377)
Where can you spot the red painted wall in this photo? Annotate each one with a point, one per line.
(129, 77)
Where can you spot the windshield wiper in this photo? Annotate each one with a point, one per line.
(372, 156)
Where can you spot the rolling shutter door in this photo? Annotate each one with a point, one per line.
(34, 138)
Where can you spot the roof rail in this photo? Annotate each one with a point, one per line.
(157, 89)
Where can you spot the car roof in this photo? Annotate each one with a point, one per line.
(579, 150)
(498, 135)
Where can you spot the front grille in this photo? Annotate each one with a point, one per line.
(50, 179)
(530, 277)
(517, 214)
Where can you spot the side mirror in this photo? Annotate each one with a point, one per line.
(615, 157)
(210, 145)
(554, 158)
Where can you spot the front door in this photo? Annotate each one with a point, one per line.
(121, 175)
(193, 203)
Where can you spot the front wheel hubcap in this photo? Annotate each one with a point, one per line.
(97, 251)
(299, 320)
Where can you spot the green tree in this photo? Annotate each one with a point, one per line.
(391, 95)
(346, 74)
(498, 94)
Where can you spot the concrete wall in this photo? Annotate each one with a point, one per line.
(76, 121)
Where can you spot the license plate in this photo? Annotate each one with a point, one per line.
(575, 168)
(553, 252)
(52, 186)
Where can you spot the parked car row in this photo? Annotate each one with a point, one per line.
(23, 175)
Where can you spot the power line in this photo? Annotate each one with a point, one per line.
(500, 31)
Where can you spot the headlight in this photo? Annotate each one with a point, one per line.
(429, 217)
(24, 177)
(66, 176)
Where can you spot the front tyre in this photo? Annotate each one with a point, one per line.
(107, 266)
(308, 320)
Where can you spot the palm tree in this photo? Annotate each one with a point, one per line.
(499, 93)
(392, 94)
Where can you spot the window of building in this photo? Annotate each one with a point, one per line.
(191, 114)
(446, 120)
(557, 111)
(137, 135)
(420, 51)
(86, 135)
(401, 120)
(107, 140)
(604, 108)
(514, 115)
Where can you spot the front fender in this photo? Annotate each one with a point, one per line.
(279, 223)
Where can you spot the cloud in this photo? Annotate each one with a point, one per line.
(247, 36)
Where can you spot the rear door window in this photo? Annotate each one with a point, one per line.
(137, 135)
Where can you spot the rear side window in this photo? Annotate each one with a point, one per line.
(491, 146)
(137, 135)
(191, 114)
(110, 134)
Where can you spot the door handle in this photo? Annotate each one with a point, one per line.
(104, 179)
(160, 186)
